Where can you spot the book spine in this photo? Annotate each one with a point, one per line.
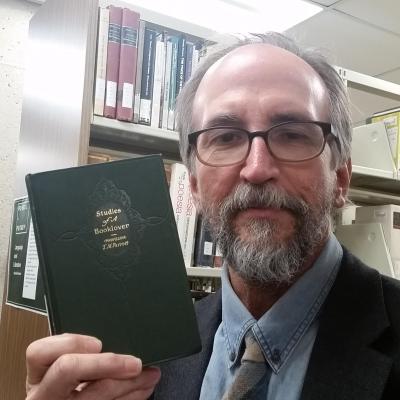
(204, 246)
(180, 68)
(54, 324)
(139, 64)
(172, 84)
(188, 60)
(113, 50)
(167, 82)
(101, 62)
(127, 65)
(195, 60)
(146, 92)
(158, 80)
(179, 192)
(190, 230)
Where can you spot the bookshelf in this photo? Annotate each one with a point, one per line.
(58, 130)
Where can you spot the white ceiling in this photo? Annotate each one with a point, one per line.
(360, 35)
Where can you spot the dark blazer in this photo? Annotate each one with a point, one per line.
(356, 355)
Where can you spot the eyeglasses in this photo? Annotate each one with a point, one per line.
(287, 141)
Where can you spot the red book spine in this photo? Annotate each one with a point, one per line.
(127, 66)
(113, 50)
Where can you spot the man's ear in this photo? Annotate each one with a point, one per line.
(343, 176)
(194, 190)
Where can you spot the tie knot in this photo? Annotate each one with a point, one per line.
(253, 351)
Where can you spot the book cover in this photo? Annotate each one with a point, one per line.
(112, 70)
(111, 260)
(139, 64)
(146, 93)
(101, 61)
(127, 64)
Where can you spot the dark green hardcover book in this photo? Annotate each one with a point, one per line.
(111, 259)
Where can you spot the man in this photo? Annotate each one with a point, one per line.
(265, 132)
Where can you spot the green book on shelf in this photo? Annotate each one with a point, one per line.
(111, 260)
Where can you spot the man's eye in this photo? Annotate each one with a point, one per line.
(291, 136)
(228, 138)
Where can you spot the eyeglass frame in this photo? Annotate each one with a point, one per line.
(325, 126)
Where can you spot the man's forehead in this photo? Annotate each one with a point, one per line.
(259, 67)
(257, 54)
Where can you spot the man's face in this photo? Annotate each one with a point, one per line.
(262, 208)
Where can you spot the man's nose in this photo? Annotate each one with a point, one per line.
(260, 166)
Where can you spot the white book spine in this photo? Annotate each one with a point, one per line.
(179, 191)
(189, 231)
(158, 79)
(167, 82)
(101, 62)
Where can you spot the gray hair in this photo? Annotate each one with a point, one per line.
(338, 99)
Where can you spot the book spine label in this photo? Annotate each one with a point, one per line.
(113, 52)
(146, 92)
(127, 66)
(101, 62)
(180, 67)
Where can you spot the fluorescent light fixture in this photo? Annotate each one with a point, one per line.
(235, 16)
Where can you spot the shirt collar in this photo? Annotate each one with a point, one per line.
(282, 327)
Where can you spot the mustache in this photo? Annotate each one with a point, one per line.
(268, 195)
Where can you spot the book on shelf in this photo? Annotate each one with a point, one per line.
(180, 64)
(159, 69)
(127, 64)
(146, 92)
(113, 52)
(167, 82)
(204, 248)
(172, 84)
(391, 119)
(139, 64)
(101, 61)
(111, 258)
(146, 66)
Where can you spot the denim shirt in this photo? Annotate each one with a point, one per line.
(286, 332)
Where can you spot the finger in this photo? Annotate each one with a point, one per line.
(42, 353)
(138, 395)
(69, 370)
(137, 387)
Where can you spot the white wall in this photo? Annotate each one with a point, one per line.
(14, 23)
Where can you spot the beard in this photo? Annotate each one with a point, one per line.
(264, 257)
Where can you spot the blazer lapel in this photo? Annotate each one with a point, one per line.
(345, 362)
(182, 379)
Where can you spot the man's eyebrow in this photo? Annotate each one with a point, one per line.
(288, 117)
(224, 120)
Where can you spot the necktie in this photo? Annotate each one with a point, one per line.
(251, 378)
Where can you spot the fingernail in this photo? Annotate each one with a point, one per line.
(133, 364)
